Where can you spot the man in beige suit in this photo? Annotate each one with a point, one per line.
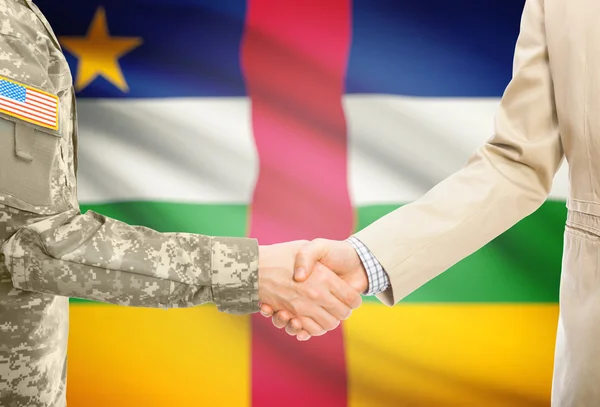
(550, 109)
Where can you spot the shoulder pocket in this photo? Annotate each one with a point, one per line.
(29, 168)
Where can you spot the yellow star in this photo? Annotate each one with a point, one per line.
(98, 53)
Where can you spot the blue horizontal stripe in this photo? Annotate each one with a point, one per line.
(440, 48)
(190, 47)
(436, 48)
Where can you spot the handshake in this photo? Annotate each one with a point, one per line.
(308, 287)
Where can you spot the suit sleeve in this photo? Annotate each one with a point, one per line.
(506, 180)
(93, 257)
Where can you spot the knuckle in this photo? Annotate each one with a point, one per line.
(341, 313)
(303, 253)
(335, 305)
(313, 293)
(300, 308)
(312, 328)
(331, 325)
(351, 298)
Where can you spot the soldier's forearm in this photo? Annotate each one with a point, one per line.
(93, 257)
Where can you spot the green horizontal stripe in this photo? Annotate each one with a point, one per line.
(214, 220)
(522, 265)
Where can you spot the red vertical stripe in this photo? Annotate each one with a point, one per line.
(294, 57)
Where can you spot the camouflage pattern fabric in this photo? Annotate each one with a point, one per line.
(51, 251)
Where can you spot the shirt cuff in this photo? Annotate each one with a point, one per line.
(378, 279)
(235, 274)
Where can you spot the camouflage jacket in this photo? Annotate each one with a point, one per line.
(51, 251)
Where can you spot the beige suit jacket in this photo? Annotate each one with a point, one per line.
(550, 110)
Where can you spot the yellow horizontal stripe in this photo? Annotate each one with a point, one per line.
(123, 357)
(450, 355)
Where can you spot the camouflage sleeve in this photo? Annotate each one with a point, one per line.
(54, 248)
(93, 257)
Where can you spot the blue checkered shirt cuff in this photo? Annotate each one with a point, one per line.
(378, 278)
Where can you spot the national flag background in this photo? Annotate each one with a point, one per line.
(299, 119)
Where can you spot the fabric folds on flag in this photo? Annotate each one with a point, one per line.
(297, 120)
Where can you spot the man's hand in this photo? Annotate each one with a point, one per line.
(318, 304)
(338, 256)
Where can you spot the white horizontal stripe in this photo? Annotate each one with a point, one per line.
(202, 150)
(11, 108)
(51, 109)
(400, 147)
(180, 150)
(26, 106)
(42, 97)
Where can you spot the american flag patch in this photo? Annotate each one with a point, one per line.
(28, 104)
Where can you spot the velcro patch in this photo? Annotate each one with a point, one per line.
(28, 104)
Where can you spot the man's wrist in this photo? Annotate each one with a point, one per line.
(377, 278)
(363, 278)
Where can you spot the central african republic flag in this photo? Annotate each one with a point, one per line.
(296, 119)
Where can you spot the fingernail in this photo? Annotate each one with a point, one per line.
(264, 314)
(300, 272)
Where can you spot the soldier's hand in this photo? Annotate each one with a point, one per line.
(339, 256)
(318, 304)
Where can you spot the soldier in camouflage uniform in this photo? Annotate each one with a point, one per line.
(51, 251)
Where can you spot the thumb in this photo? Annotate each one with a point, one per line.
(307, 257)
